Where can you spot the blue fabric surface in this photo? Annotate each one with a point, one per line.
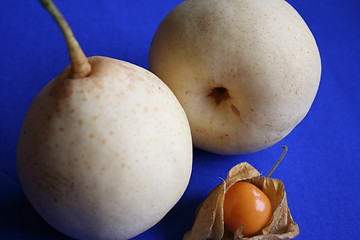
(321, 169)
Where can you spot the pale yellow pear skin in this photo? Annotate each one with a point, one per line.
(245, 71)
(105, 157)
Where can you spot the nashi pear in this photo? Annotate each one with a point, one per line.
(245, 71)
(105, 150)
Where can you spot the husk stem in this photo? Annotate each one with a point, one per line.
(278, 161)
(80, 66)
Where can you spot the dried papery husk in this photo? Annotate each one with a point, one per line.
(209, 222)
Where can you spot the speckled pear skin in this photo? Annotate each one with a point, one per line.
(260, 51)
(107, 156)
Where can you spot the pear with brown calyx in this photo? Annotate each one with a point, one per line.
(245, 71)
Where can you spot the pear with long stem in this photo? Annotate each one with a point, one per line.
(100, 143)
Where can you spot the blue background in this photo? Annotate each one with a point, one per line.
(321, 169)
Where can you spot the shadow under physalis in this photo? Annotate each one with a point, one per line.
(210, 223)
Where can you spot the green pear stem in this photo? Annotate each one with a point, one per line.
(278, 161)
(80, 66)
